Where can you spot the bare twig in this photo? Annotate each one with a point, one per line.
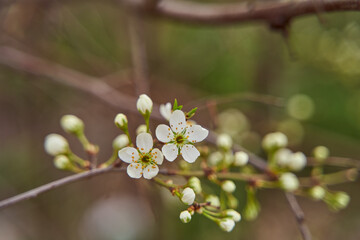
(299, 215)
(138, 53)
(230, 13)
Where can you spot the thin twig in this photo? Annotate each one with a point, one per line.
(138, 53)
(299, 215)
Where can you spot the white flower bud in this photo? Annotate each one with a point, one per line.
(224, 141)
(228, 158)
(141, 129)
(233, 214)
(215, 158)
(144, 104)
(297, 161)
(72, 124)
(166, 110)
(121, 121)
(317, 192)
(213, 200)
(185, 216)
(241, 159)
(274, 140)
(120, 141)
(195, 184)
(282, 157)
(188, 196)
(289, 182)
(227, 224)
(62, 162)
(342, 199)
(321, 153)
(228, 186)
(55, 144)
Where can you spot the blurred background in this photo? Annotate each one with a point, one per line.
(306, 85)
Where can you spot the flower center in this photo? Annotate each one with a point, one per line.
(179, 139)
(146, 159)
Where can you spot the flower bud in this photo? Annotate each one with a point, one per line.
(185, 216)
(282, 157)
(321, 153)
(227, 224)
(120, 141)
(228, 186)
(121, 121)
(289, 182)
(144, 104)
(188, 196)
(241, 159)
(342, 199)
(195, 184)
(72, 124)
(317, 193)
(297, 161)
(274, 140)
(62, 162)
(224, 141)
(228, 158)
(166, 110)
(232, 201)
(215, 158)
(141, 129)
(233, 214)
(56, 144)
(213, 200)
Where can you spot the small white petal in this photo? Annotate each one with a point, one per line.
(164, 133)
(128, 154)
(144, 142)
(170, 151)
(196, 133)
(178, 121)
(151, 171)
(189, 153)
(134, 170)
(157, 156)
(165, 110)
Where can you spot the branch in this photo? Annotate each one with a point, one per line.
(273, 12)
(299, 215)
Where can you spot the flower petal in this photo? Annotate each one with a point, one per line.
(164, 133)
(144, 142)
(165, 110)
(189, 153)
(134, 170)
(151, 171)
(157, 156)
(128, 154)
(178, 121)
(196, 133)
(170, 151)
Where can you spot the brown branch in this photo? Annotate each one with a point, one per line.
(299, 215)
(273, 12)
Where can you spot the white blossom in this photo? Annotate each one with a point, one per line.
(233, 214)
(224, 141)
(297, 161)
(215, 158)
(282, 157)
(121, 120)
(55, 144)
(144, 160)
(185, 216)
(166, 110)
(228, 186)
(274, 140)
(241, 159)
(144, 104)
(71, 124)
(120, 141)
(227, 224)
(180, 138)
(289, 182)
(188, 196)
